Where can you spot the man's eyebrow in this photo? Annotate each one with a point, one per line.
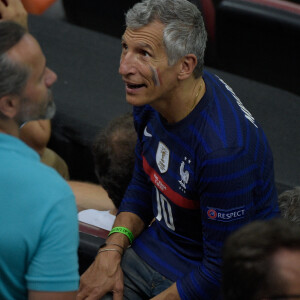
(144, 45)
(141, 45)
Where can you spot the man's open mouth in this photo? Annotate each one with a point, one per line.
(135, 86)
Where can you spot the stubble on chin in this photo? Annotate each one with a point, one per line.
(36, 111)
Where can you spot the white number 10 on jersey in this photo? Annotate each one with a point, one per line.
(164, 210)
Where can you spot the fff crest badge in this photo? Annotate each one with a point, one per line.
(162, 157)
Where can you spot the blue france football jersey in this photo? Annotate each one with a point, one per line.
(201, 179)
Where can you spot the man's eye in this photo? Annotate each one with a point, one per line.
(124, 46)
(145, 53)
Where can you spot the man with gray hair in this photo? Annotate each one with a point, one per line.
(203, 165)
(38, 216)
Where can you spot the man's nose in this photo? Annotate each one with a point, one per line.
(50, 77)
(127, 64)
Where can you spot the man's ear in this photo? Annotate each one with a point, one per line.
(187, 66)
(9, 106)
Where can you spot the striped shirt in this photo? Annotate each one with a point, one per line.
(201, 178)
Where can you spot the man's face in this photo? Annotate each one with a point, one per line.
(144, 66)
(36, 101)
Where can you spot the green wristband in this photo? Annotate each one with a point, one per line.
(123, 230)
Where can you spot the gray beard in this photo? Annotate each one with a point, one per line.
(31, 112)
(50, 111)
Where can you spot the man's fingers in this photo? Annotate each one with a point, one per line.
(86, 293)
(96, 294)
(100, 279)
(2, 5)
(81, 294)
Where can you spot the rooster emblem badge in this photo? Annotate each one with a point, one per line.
(184, 175)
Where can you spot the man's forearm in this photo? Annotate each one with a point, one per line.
(132, 222)
(90, 196)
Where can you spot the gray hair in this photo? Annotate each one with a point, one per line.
(289, 205)
(184, 31)
(13, 76)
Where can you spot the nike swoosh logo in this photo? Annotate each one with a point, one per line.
(146, 133)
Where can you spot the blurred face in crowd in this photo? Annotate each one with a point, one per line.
(36, 101)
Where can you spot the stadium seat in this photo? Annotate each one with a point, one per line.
(260, 39)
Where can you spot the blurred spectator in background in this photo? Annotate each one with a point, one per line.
(36, 134)
(262, 261)
(114, 156)
(113, 151)
(289, 204)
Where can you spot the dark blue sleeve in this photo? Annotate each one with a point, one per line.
(137, 198)
(233, 190)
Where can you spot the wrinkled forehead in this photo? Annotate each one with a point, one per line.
(149, 35)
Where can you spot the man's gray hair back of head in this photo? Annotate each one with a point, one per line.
(13, 77)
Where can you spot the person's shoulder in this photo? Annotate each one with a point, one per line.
(217, 84)
(44, 181)
(23, 163)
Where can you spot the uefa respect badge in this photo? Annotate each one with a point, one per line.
(226, 215)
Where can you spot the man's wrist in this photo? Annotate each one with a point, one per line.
(123, 230)
(111, 246)
(109, 249)
(107, 252)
